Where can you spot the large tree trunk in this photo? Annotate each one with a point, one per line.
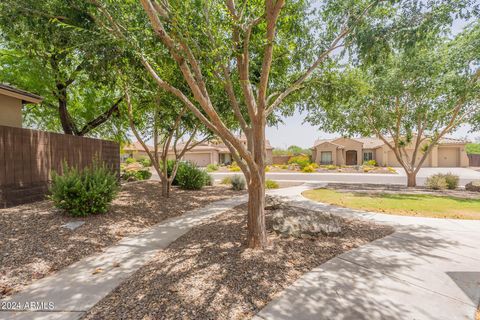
(411, 179)
(256, 235)
(62, 109)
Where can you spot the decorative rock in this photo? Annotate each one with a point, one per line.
(273, 202)
(473, 186)
(296, 221)
(73, 225)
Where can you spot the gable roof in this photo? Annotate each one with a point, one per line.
(23, 95)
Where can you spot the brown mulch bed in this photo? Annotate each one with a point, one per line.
(33, 242)
(209, 274)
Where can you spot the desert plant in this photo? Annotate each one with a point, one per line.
(190, 177)
(130, 160)
(301, 161)
(234, 167)
(436, 182)
(238, 182)
(212, 167)
(83, 192)
(452, 180)
(308, 169)
(208, 179)
(271, 184)
(226, 180)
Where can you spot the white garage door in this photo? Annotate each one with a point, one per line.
(448, 157)
(200, 159)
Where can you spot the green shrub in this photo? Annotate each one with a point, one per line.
(145, 162)
(452, 180)
(190, 177)
(436, 182)
(212, 167)
(271, 184)
(83, 192)
(130, 160)
(208, 179)
(331, 167)
(226, 180)
(302, 161)
(238, 182)
(143, 174)
(371, 163)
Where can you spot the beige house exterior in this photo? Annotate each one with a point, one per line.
(202, 154)
(354, 151)
(11, 102)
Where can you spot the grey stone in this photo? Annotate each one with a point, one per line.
(473, 186)
(297, 222)
(273, 202)
(73, 225)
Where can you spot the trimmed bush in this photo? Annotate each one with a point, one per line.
(84, 192)
(212, 167)
(271, 184)
(301, 161)
(452, 180)
(238, 182)
(190, 177)
(436, 182)
(130, 160)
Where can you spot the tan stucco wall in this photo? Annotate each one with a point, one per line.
(269, 156)
(326, 147)
(350, 144)
(10, 111)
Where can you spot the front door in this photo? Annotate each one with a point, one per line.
(351, 158)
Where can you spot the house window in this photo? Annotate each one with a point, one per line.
(326, 157)
(367, 156)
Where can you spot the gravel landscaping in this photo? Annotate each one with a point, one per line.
(35, 243)
(209, 274)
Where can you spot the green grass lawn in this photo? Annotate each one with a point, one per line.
(421, 205)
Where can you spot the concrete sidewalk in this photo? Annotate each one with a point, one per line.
(427, 269)
(69, 293)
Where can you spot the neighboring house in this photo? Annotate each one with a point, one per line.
(202, 154)
(354, 151)
(11, 102)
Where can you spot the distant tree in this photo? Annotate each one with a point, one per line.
(412, 94)
(72, 69)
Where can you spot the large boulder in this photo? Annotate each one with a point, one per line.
(297, 222)
(473, 186)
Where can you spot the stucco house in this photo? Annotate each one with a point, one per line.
(354, 151)
(11, 102)
(203, 154)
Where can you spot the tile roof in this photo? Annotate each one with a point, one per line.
(373, 143)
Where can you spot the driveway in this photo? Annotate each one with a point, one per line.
(466, 175)
(427, 269)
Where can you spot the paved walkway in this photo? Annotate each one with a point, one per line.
(427, 269)
(77, 288)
